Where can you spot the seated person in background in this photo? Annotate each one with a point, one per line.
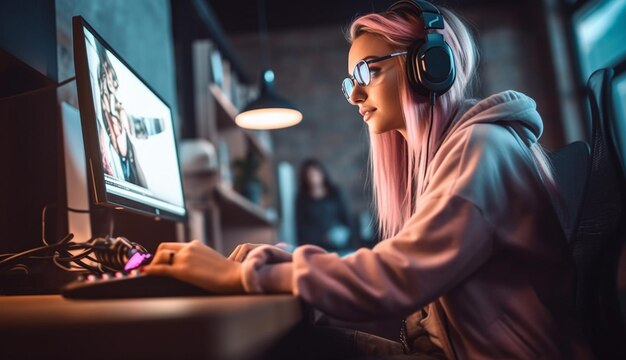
(473, 258)
(321, 214)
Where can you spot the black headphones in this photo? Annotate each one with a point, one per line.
(429, 61)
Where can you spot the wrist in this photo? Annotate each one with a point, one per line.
(236, 279)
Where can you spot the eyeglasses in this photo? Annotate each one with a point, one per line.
(362, 74)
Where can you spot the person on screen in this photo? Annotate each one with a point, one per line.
(321, 211)
(473, 262)
(119, 154)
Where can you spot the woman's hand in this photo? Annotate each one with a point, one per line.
(241, 251)
(197, 264)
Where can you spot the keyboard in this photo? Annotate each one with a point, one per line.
(128, 285)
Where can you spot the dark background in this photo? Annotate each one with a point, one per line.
(524, 45)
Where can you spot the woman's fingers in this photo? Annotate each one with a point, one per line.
(158, 269)
(200, 265)
(164, 257)
(162, 263)
(170, 246)
(233, 255)
(241, 251)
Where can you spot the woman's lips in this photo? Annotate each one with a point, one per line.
(367, 113)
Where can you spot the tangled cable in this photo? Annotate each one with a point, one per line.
(106, 254)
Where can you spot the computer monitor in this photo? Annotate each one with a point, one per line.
(128, 132)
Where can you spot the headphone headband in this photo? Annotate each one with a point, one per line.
(431, 17)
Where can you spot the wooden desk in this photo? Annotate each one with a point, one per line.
(214, 327)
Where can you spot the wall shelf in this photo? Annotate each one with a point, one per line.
(219, 88)
(236, 210)
(226, 113)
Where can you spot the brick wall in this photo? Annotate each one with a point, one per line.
(309, 65)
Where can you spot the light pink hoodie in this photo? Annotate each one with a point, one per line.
(483, 252)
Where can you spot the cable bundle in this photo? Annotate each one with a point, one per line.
(111, 254)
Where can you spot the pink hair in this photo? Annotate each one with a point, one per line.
(396, 164)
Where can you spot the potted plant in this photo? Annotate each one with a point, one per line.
(246, 179)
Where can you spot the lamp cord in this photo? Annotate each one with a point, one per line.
(263, 33)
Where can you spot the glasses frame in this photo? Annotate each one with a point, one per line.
(358, 79)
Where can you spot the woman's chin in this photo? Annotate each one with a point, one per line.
(377, 130)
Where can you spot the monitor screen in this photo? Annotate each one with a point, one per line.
(128, 131)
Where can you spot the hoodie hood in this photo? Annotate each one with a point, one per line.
(509, 108)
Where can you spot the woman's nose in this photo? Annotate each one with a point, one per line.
(358, 94)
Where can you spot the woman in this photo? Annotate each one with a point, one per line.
(473, 251)
(321, 213)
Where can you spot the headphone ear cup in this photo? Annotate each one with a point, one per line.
(413, 68)
(430, 66)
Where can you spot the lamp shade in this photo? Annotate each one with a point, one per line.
(269, 110)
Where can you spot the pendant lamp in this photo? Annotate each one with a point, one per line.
(269, 110)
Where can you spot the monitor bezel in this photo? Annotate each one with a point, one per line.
(95, 170)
